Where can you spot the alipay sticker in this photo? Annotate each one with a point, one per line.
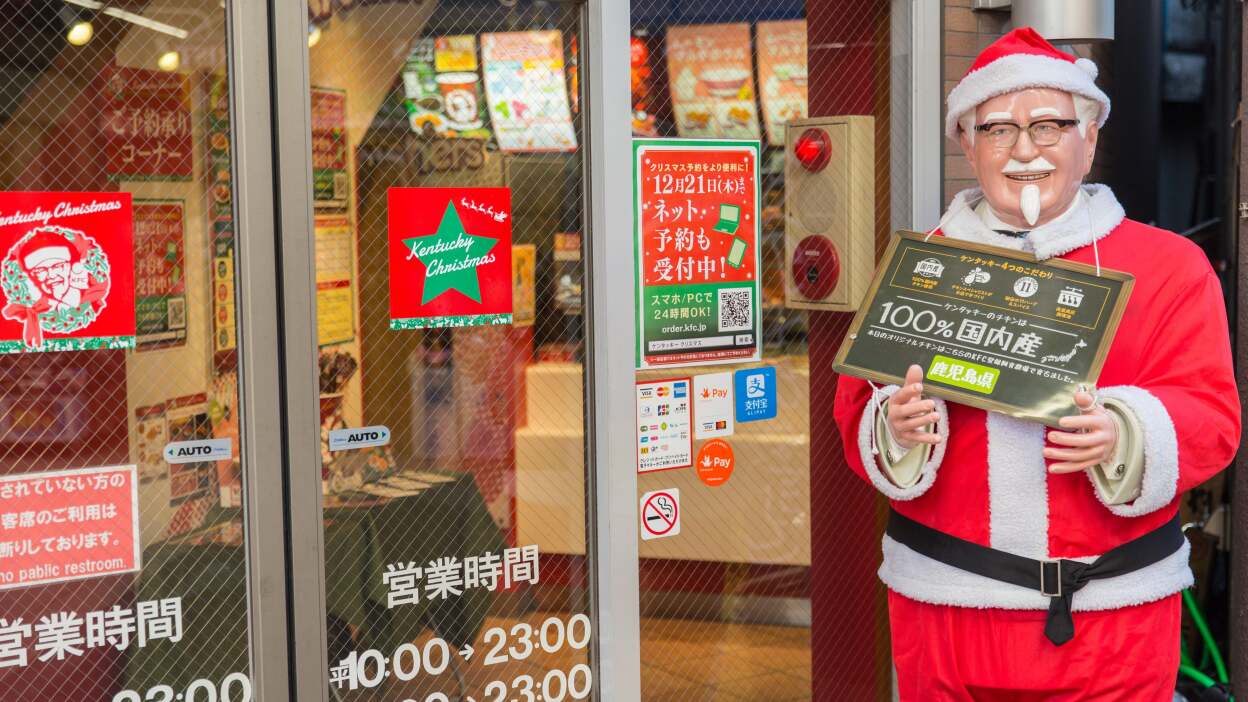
(755, 393)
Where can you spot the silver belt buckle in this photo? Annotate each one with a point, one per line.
(1057, 592)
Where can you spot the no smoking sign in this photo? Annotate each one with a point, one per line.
(660, 514)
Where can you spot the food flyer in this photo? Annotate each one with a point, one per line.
(187, 419)
(526, 91)
(696, 238)
(67, 274)
(782, 75)
(225, 336)
(335, 275)
(223, 412)
(642, 77)
(442, 88)
(160, 273)
(330, 181)
(151, 435)
(147, 124)
(712, 81)
(524, 284)
(568, 272)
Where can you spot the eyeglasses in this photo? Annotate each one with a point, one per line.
(52, 270)
(1045, 132)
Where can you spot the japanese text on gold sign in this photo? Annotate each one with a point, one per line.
(1007, 265)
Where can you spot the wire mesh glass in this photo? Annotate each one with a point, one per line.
(119, 324)
(769, 590)
(448, 155)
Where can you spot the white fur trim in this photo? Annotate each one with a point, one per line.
(1019, 72)
(1071, 231)
(1018, 488)
(1161, 451)
(928, 472)
(918, 577)
(1089, 66)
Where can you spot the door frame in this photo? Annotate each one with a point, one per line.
(260, 412)
(610, 377)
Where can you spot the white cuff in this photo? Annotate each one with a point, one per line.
(869, 459)
(1118, 480)
(1161, 451)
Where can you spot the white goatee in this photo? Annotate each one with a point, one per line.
(1029, 203)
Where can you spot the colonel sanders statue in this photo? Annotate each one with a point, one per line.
(1032, 563)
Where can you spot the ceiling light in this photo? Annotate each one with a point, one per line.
(80, 33)
(314, 35)
(169, 61)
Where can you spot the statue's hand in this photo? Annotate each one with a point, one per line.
(908, 412)
(1091, 435)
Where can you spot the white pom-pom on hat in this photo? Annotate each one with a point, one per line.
(1089, 67)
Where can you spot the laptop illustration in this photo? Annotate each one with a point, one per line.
(729, 219)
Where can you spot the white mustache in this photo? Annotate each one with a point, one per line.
(1037, 165)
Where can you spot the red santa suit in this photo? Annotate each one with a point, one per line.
(962, 636)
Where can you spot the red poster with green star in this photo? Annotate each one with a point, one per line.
(450, 257)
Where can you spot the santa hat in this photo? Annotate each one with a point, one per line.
(44, 247)
(1019, 60)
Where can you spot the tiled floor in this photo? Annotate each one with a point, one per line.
(682, 661)
(698, 661)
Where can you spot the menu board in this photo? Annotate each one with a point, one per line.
(442, 88)
(160, 273)
(221, 213)
(335, 268)
(782, 75)
(712, 81)
(526, 91)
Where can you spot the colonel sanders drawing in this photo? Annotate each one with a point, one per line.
(49, 285)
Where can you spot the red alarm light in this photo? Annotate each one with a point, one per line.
(813, 149)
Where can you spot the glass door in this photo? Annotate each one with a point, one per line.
(126, 475)
(447, 154)
(758, 545)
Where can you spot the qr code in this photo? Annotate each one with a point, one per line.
(177, 313)
(736, 309)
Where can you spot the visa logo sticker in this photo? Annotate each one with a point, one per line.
(201, 450)
(359, 437)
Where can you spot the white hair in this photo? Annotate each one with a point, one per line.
(1086, 110)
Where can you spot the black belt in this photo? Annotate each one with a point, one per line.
(1058, 579)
